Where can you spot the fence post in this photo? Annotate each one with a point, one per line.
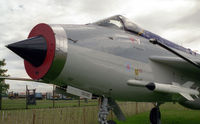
(53, 96)
(26, 97)
(79, 102)
(84, 114)
(33, 117)
(136, 107)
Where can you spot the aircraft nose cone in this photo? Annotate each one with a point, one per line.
(32, 49)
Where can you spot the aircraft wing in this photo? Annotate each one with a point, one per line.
(179, 64)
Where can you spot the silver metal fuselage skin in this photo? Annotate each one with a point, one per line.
(101, 60)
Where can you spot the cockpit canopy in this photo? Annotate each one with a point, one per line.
(120, 22)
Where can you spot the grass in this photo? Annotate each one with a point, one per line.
(171, 114)
(9, 104)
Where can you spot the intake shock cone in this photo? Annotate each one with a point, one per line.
(32, 50)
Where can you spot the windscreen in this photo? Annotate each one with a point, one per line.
(130, 26)
(113, 22)
(120, 22)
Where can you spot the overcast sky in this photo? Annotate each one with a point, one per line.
(175, 20)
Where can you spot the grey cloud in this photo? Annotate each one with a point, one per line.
(162, 19)
(156, 21)
(192, 20)
(21, 6)
(101, 7)
(192, 37)
(189, 20)
(190, 23)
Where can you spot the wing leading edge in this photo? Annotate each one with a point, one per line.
(178, 64)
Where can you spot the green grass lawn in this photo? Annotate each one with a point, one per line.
(8, 104)
(171, 114)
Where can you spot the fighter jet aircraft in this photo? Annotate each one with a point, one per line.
(115, 59)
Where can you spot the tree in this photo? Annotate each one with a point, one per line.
(3, 86)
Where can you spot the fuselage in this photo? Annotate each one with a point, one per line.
(101, 60)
